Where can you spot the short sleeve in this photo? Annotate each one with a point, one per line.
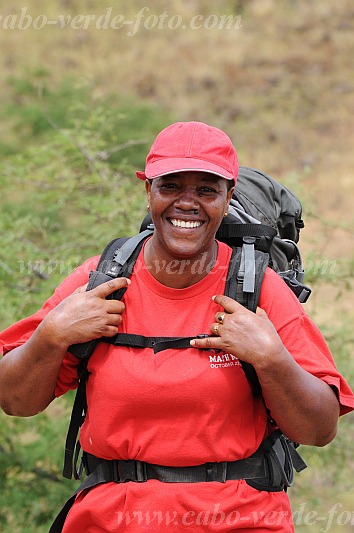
(302, 337)
(17, 334)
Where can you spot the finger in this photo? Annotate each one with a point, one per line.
(207, 342)
(229, 304)
(220, 317)
(110, 331)
(114, 307)
(261, 312)
(105, 289)
(114, 320)
(214, 328)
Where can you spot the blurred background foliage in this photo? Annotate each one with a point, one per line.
(79, 110)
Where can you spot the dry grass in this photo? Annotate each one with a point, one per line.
(282, 84)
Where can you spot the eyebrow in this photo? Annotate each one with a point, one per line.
(209, 178)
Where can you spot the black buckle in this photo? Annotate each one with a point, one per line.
(129, 470)
(216, 472)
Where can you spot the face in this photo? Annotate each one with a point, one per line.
(187, 208)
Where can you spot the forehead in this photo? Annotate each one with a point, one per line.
(193, 176)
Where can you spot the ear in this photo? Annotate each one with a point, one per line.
(229, 196)
(148, 189)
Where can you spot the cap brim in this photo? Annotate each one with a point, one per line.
(140, 175)
(163, 167)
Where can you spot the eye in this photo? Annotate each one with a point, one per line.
(168, 185)
(207, 190)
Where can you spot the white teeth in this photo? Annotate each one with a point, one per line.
(185, 224)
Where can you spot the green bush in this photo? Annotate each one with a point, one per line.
(70, 190)
(68, 187)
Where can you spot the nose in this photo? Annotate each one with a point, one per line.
(187, 200)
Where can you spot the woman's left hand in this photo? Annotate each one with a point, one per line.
(249, 336)
(305, 408)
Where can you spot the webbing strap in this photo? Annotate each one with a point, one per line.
(88, 483)
(268, 468)
(158, 344)
(120, 471)
(298, 462)
(227, 231)
(76, 420)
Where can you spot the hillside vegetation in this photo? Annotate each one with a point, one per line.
(79, 110)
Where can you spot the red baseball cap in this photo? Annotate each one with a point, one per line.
(193, 146)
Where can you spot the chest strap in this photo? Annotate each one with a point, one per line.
(158, 344)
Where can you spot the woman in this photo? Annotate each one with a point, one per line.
(177, 408)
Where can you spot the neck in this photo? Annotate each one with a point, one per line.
(177, 272)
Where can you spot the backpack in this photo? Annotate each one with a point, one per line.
(265, 210)
(260, 198)
(262, 226)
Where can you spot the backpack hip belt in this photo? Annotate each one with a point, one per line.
(121, 471)
(270, 468)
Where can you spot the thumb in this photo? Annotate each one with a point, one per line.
(105, 289)
(261, 312)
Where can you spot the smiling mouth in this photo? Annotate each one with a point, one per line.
(185, 223)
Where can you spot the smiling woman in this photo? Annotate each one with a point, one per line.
(188, 195)
(186, 208)
(178, 431)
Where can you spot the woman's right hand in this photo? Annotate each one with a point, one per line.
(81, 317)
(85, 315)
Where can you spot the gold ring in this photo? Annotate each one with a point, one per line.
(221, 318)
(216, 329)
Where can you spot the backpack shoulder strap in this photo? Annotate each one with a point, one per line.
(109, 251)
(234, 288)
(117, 260)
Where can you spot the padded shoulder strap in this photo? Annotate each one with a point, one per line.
(234, 289)
(234, 281)
(117, 260)
(109, 251)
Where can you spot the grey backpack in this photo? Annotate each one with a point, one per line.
(267, 215)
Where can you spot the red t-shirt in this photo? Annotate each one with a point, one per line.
(179, 407)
